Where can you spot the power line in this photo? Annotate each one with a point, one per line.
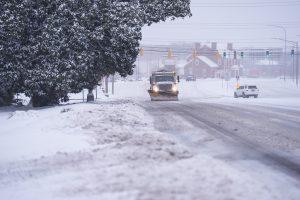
(227, 27)
(258, 2)
(230, 25)
(236, 23)
(245, 4)
(213, 40)
(227, 39)
(218, 41)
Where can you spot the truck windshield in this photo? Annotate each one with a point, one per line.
(164, 79)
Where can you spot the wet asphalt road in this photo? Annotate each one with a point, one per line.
(269, 136)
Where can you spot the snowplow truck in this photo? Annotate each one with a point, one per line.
(164, 86)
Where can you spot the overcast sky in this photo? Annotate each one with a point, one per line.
(242, 22)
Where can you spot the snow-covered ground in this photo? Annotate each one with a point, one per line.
(34, 133)
(111, 150)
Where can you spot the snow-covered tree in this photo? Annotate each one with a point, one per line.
(94, 39)
(46, 81)
(160, 10)
(11, 50)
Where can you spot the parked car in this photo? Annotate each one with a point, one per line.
(246, 91)
(190, 78)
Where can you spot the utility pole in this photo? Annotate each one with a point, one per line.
(297, 64)
(106, 85)
(227, 71)
(297, 59)
(83, 95)
(284, 57)
(96, 92)
(158, 62)
(285, 42)
(137, 69)
(113, 85)
(148, 70)
(224, 67)
(293, 70)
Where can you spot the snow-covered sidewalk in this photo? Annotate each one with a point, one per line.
(111, 150)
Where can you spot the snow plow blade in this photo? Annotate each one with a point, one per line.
(163, 96)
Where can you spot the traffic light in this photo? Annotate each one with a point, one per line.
(268, 53)
(234, 55)
(293, 52)
(224, 54)
(242, 54)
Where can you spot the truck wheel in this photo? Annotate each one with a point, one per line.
(255, 96)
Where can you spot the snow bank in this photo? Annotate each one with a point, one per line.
(42, 147)
(34, 133)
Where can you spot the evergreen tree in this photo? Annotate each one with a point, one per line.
(11, 50)
(25, 64)
(99, 38)
(45, 79)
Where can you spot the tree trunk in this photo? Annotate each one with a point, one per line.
(6, 99)
(1, 102)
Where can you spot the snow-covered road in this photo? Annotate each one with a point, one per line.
(264, 135)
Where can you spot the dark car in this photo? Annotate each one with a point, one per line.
(190, 78)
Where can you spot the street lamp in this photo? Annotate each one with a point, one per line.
(295, 44)
(285, 40)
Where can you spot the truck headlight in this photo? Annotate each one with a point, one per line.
(175, 88)
(155, 88)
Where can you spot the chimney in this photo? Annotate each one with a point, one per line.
(197, 46)
(214, 46)
(230, 46)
